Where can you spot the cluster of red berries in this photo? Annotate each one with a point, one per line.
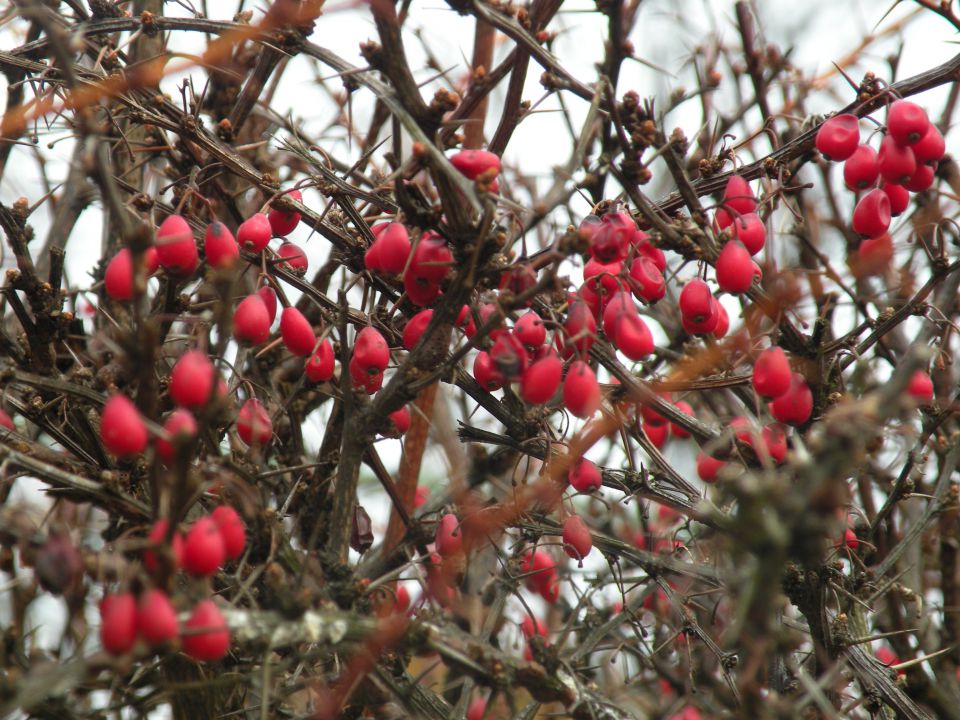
(905, 163)
(211, 541)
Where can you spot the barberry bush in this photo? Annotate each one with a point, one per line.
(553, 377)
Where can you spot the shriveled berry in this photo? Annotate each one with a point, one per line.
(232, 530)
(254, 425)
(839, 136)
(771, 373)
(176, 249)
(577, 542)
(156, 619)
(584, 476)
(861, 169)
(871, 216)
(206, 636)
(320, 366)
(180, 426)
(297, 332)
(254, 233)
(122, 430)
(219, 246)
(251, 320)
(118, 623)
(907, 122)
(581, 392)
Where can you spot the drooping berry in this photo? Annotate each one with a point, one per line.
(631, 336)
(370, 350)
(415, 327)
(735, 269)
(156, 619)
(771, 373)
(584, 476)
(920, 387)
(206, 636)
(676, 430)
(269, 297)
(297, 332)
(203, 548)
(122, 430)
(254, 233)
(708, 467)
(646, 280)
(899, 197)
(232, 530)
(449, 538)
(750, 230)
(284, 222)
(871, 216)
(838, 137)
(391, 249)
(292, 258)
(192, 379)
(794, 406)
(254, 425)
(118, 623)
(530, 330)
(907, 122)
(541, 379)
(581, 392)
(176, 249)
(219, 246)
(931, 147)
(251, 320)
(473, 163)
(896, 162)
(577, 542)
(696, 301)
(320, 366)
(861, 169)
(180, 426)
(738, 196)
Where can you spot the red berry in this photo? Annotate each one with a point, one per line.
(677, 431)
(158, 534)
(723, 320)
(176, 248)
(750, 230)
(402, 602)
(581, 392)
(611, 240)
(738, 196)
(735, 269)
(486, 373)
(6, 421)
(871, 217)
(192, 379)
(708, 467)
(531, 626)
(254, 233)
(232, 530)
(473, 163)
(284, 222)
(431, 258)
(873, 256)
(415, 327)
(180, 425)
(509, 357)
(631, 336)
(580, 327)
(643, 248)
(368, 378)
(839, 137)
(253, 423)
(656, 434)
(577, 542)
(794, 406)
(477, 709)
(931, 147)
(401, 420)
(292, 258)
(603, 278)
(540, 570)
(219, 246)
(391, 249)
(896, 161)
(771, 373)
(118, 623)
(861, 169)
(907, 122)
(269, 297)
(646, 280)
(899, 197)
(920, 387)
(421, 495)
(584, 476)
(530, 330)
(118, 277)
(420, 290)
(319, 368)
(206, 636)
(540, 381)
(251, 320)
(297, 332)
(696, 301)
(203, 548)
(371, 350)
(850, 539)
(449, 538)
(649, 413)
(922, 179)
(121, 428)
(156, 619)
